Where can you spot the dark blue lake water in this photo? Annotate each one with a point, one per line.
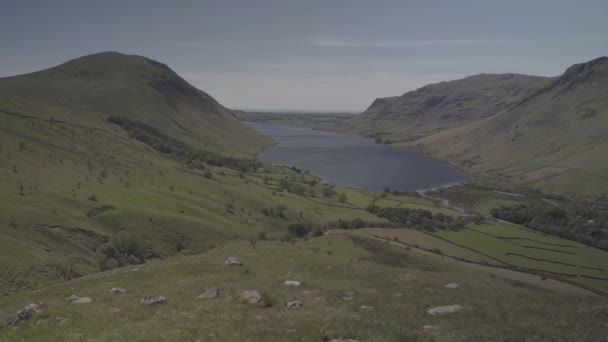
(353, 161)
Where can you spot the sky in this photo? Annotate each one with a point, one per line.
(309, 55)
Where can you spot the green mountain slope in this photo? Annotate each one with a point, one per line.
(113, 84)
(447, 104)
(556, 140)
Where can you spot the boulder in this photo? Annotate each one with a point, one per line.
(233, 261)
(441, 310)
(294, 304)
(23, 314)
(251, 296)
(210, 294)
(118, 290)
(82, 300)
(293, 283)
(151, 300)
(71, 298)
(452, 286)
(367, 307)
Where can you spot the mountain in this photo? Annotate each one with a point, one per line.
(555, 140)
(140, 89)
(547, 133)
(448, 104)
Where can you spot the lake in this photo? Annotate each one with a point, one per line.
(353, 161)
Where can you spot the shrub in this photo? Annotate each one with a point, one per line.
(298, 230)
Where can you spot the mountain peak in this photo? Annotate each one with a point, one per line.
(582, 73)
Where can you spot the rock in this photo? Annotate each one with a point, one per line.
(440, 310)
(343, 340)
(233, 261)
(367, 307)
(294, 304)
(452, 286)
(71, 298)
(151, 300)
(251, 296)
(114, 310)
(293, 283)
(430, 329)
(397, 295)
(82, 300)
(118, 290)
(210, 294)
(25, 313)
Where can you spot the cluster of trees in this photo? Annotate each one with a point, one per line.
(574, 222)
(278, 211)
(417, 218)
(124, 249)
(163, 143)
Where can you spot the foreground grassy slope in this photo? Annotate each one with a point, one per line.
(339, 274)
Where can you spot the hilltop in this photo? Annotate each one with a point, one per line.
(94, 87)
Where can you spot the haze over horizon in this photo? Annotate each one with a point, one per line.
(313, 56)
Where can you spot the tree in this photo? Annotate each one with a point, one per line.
(328, 192)
(342, 198)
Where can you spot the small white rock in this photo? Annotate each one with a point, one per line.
(452, 286)
(440, 310)
(82, 300)
(293, 283)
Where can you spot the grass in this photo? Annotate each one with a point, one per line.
(520, 310)
(521, 247)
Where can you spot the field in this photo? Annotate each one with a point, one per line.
(521, 247)
(341, 273)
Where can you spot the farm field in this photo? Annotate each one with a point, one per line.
(521, 247)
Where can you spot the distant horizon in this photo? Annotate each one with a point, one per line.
(310, 56)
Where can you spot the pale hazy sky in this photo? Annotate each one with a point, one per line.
(309, 55)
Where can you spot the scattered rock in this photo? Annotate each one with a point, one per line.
(347, 298)
(440, 310)
(210, 294)
(251, 296)
(118, 290)
(71, 298)
(430, 329)
(63, 321)
(151, 300)
(82, 300)
(233, 261)
(367, 307)
(114, 310)
(293, 283)
(294, 304)
(397, 295)
(24, 314)
(452, 286)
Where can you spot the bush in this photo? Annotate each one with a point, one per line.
(298, 230)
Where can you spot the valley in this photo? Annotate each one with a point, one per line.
(116, 172)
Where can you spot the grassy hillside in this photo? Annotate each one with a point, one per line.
(555, 140)
(546, 133)
(92, 88)
(436, 107)
(353, 287)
